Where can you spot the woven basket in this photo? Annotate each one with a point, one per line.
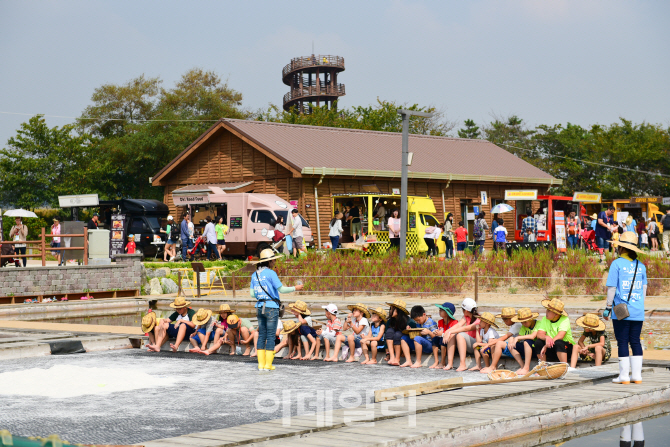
(553, 371)
(500, 374)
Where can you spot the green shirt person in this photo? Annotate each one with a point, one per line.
(554, 335)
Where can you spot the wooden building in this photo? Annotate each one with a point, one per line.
(304, 163)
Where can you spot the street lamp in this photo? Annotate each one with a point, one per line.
(403, 182)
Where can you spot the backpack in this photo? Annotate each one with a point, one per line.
(500, 236)
(666, 223)
(175, 231)
(478, 233)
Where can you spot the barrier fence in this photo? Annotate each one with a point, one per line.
(43, 247)
(344, 285)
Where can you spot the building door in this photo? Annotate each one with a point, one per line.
(466, 211)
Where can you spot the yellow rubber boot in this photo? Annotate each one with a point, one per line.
(269, 357)
(261, 359)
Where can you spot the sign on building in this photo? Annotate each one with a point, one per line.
(646, 199)
(587, 197)
(80, 200)
(191, 199)
(521, 194)
(561, 240)
(484, 197)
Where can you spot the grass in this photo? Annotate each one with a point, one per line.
(229, 265)
(598, 298)
(556, 292)
(513, 290)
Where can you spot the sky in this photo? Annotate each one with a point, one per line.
(548, 62)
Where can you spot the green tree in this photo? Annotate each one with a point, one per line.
(382, 117)
(40, 163)
(152, 125)
(471, 130)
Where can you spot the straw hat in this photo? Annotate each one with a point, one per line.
(381, 313)
(507, 312)
(594, 216)
(555, 305)
(525, 314)
(400, 305)
(148, 322)
(266, 255)
(226, 308)
(179, 303)
(202, 316)
(487, 317)
(591, 321)
(300, 307)
(627, 239)
(233, 321)
(362, 307)
(289, 326)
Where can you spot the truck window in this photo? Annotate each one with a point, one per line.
(137, 226)
(284, 214)
(153, 222)
(428, 220)
(263, 217)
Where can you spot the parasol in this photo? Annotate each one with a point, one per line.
(20, 213)
(501, 208)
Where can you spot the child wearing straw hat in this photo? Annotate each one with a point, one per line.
(178, 325)
(554, 334)
(306, 332)
(220, 327)
(599, 347)
(501, 347)
(204, 330)
(241, 330)
(397, 322)
(357, 321)
(289, 328)
(422, 342)
(523, 346)
(486, 339)
(375, 340)
(447, 311)
(148, 325)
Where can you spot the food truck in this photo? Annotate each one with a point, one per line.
(544, 215)
(420, 215)
(251, 218)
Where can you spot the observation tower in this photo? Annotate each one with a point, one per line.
(312, 79)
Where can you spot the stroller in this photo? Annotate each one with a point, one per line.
(589, 237)
(199, 248)
(8, 250)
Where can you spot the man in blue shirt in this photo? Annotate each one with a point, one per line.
(604, 228)
(186, 242)
(528, 222)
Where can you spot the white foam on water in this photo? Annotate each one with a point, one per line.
(64, 381)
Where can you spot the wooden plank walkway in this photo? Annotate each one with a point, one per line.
(468, 416)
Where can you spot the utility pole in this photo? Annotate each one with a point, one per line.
(403, 182)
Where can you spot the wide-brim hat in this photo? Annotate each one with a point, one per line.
(233, 321)
(400, 305)
(300, 307)
(266, 255)
(555, 305)
(202, 316)
(413, 332)
(381, 313)
(447, 307)
(148, 322)
(180, 303)
(487, 317)
(289, 326)
(591, 321)
(362, 307)
(507, 312)
(226, 308)
(525, 314)
(627, 239)
(594, 216)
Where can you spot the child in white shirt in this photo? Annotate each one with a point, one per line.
(486, 337)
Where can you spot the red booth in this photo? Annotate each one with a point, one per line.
(543, 210)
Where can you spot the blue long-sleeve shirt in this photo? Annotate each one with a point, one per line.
(184, 231)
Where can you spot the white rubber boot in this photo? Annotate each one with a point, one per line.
(636, 369)
(624, 368)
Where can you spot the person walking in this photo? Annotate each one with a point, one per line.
(626, 291)
(529, 223)
(169, 251)
(209, 235)
(265, 288)
(221, 230)
(186, 242)
(604, 228)
(479, 233)
(296, 233)
(573, 230)
(335, 230)
(666, 231)
(448, 235)
(19, 233)
(653, 234)
(494, 224)
(55, 229)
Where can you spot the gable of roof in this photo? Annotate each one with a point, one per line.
(318, 150)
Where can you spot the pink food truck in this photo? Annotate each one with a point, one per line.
(250, 217)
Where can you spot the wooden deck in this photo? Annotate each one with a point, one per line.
(468, 416)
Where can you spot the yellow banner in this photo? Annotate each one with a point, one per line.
(590, 197)
(523, 194)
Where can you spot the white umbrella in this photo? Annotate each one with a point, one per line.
(501, 208)
(20, 213)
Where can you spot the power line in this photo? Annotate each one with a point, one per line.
(589, 162)
(102, 119)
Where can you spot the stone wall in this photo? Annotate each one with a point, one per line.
(125, 274)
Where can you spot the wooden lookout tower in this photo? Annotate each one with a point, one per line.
(312, 79)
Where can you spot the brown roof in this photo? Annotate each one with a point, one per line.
(309, 149)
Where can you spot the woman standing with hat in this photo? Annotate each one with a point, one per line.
(19, 233)
(266, 287)
(626, 290)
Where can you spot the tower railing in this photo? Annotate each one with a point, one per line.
(306, 91)
(300, 63)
